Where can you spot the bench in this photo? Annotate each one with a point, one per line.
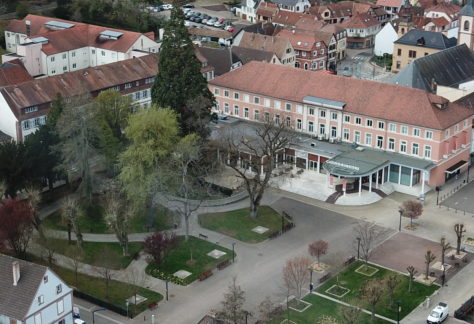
(153, 305)
(205, 275)
(203, 236)
(325, 277)
(349, 261)
(223, 264)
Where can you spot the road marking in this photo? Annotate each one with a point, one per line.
(99, 314)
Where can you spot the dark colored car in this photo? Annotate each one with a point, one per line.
(188, 5)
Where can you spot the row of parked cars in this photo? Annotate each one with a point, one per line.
(166, 6)
(202, 18)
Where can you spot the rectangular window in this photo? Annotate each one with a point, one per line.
(427, 151)
(347, 119)
(64, 56)
(446, 134)
(26, 124)
(246, 112)
(226, 93)
(226, 107)
(381, 125)
(93, 51)
(429, 134)
(310, 127)
(137, 95)
(256, 115)
(298, 124)
(236, 95)
(414, 149)
(266, 102)
(322, 129)
(288, 107)
(333, 131)
(369, 123)
(267, 117)
(399, 51)
(416, 132)
(288, 122)
(345, 134)
(74, 65)
(29, 110)
(456, 128)
(145, 94)
(64, 68)
(128, 85)
(334, 116)
(246, 98)
(236, 110)
(380, 142)
(103, 53)
(404, 130)
(60, 306)
(412, 54)
(151, 80)
(299, 109)
(368, 139)
(358, 121)
(40, 299)
(256, 100)
(357, 136)
(73, 54)
(391, 144)
(52, 59)
(277, 119)
(38, 318)
(322, 113)
(392, 128)
(311, 111)
(277, 104)
(403, 146)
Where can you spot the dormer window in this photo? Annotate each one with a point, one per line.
(59, 289)
(40, 300)
(204, 64)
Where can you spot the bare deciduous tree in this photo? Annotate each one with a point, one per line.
(232, 305)
(445, 245)
(368, 234)
(325, 319)
(296, 275)
(260, 144)
(34, 198)
(70, 213)
(460, 230)
(268, 310)
(318, 248)
(429, 258)
(411, 209)
(135, 280)
(392, 282)
(411, 275)
(105, 263)
(75, 263)
(350, 315)
(372, 292)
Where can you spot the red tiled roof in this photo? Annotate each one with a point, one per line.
(378, 100)
(274, 44)
(80, 35)
(13, 72)
(361, 20)
(288, 18)
(390, 3)
(447, 7)
(267, 9)
(311, 24)
(300, 40)
(440, 21)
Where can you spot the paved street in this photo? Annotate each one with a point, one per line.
(358, 63)
(462, 200)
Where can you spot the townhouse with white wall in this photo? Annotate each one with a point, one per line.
(50, 46)
(32, 294)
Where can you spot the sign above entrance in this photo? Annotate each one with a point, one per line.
(343, 165)
(301, 154)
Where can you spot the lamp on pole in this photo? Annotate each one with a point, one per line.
(93, 313)
(358, 248)
(400, 210)
(233, 252)
(126, 305)
(438, 189)
(399, 309)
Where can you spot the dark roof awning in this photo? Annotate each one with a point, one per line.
(456, 167)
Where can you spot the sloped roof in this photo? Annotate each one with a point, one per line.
(286, 2)
(15, 301)
(369, 98)
(361, 20)
(219, 58)
(267, 9)
(288, 18)
(74, 83)
(300, 40)
(449, 67)
(434, 40)
(390, 3)
(13, 72)
(274, 44)
(246, 55)
(467, 10)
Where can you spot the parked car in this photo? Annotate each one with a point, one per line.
(157, 9)
(218, 24)
(204, 21)
(186, 10)
(198, 20)
(167, 6)
(230, 29)
(347, 71)
(188, 5)
(221, 20)
(211, 22)
(438, 314)
(79, 321)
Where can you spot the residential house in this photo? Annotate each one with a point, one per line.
(466, 25)
(32, 293)
(266, 10)
(340, 34)
(288, 18)
(292, 5)
(341, 11)
(417, 43)
(246, 55)
(310, 50)
(448, 73)
(361, 30)
(281, 47)
(392, 7)
(447, 11)
(50, 46)
(248, 10)
(384, 40)
(412, 139)
(263, 28)
(13, 72)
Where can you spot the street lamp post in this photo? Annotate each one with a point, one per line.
(93, 313)
(126, 305)
(400, 224)
(166, 282)
(443, 276)
(399, 309)
(152, 318)
(438, 189)
(358, 248)
(310, 279)
(233, 252)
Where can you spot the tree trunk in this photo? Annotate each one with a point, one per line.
(410, 284)
(69, 232)
(427, 270)
(373, 314)
(253, 208)
(186, 223)
(458, 247)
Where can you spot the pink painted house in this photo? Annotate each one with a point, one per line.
(362, 134)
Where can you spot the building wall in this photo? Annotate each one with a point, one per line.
(12, 40)
(8, 121)
(401, 55)
(439, 146)
(384, 40)
(50, 309)
(466, 35)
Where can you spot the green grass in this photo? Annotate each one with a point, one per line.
(178, 258)
(238, 223)
(100, 254)
(92, 221)
(353, 281)
(320, 307)
(118, 291)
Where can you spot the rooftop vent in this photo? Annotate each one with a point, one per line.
(110, 34)
(16, 272)
(58, 25)
(421, 41)
(40, 40)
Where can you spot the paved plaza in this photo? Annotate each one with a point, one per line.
(462, 200)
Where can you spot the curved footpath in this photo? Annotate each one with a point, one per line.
(258, 267)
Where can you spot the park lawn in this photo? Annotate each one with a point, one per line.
(320, 307)
(93, 221)
(177, 259)
(353, 281)
(118, 291)
(238, 224)
(100, 254)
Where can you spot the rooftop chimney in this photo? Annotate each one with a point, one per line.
(16, 272)
(28, 27)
